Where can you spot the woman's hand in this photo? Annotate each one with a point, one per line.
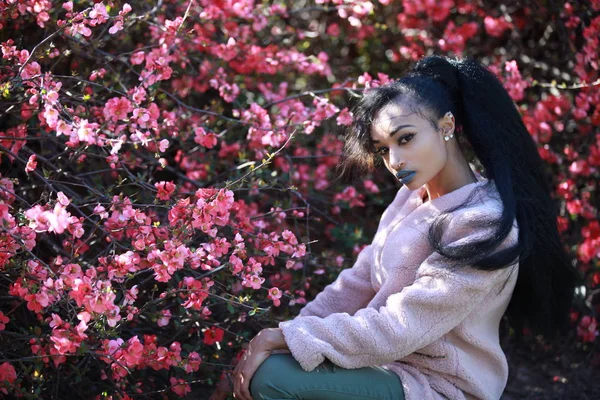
(259, 349)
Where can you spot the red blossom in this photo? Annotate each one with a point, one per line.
(8, 374)
(213, 335)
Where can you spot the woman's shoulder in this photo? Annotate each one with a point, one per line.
(479, 216)
(483, 202)
(402, 197)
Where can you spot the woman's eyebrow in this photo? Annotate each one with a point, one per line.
(395, 130)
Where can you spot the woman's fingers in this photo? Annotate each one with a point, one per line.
(246, 375)
(237, 377)
(244, 392)
(251, 365)
(259, 349)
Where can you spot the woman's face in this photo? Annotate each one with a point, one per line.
(409, 143)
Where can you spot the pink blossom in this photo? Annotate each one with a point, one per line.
(253, 281)
(324, 109)
(580, 167)
(31, 164)
(163, 145)
(84, 316)
(97, 73)
(63, 342)
(208, 140)
(101, 211)
(117, 108)
(63, 128)
(81, 29)
(229, 92)
(116, 27)
(3, 321)
(455, 37)
(350, 195)
(87, 132)
(98, 14)
(133, 353)
(32, 69)
(164, 318)
(193, 362)
(236, 264)
(496, 26)
(179, 386)
(51, 116)
(56, 321)
(514, 84)
(38, 218)
(289, 237)
(165, 190)
(139, 95)
(137, 58)
(131, 294)
(58, 219)
(275, 294)
(344, 117)
(52, 97)
(370, 186)
(62, 199)
(300, 251)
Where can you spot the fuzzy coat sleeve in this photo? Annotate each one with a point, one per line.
(351, 291)
(438, 300)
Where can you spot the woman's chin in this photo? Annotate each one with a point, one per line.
(411, 184)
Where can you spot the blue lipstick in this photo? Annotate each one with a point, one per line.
(405, 176)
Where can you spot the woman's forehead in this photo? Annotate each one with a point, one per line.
(392, 115)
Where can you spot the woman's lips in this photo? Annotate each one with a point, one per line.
(405, 176)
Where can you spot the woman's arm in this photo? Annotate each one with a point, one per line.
(351, 291)
(438, 300)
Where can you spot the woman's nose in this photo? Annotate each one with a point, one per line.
(395, 161)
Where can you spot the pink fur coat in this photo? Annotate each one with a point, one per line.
(400, 306)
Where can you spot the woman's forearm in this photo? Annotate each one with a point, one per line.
(274, 338)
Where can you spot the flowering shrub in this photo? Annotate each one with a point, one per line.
(167, 169)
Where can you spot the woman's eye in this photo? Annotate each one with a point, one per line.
(381, 151)
(406, 137)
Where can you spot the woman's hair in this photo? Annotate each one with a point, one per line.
(490, 121)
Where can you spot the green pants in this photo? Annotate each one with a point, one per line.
(281, 377)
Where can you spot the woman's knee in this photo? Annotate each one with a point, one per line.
(269, 378)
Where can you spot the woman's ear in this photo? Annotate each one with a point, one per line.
(446, 125)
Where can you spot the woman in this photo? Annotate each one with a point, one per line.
(417, 316)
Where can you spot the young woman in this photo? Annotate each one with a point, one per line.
(417, 316)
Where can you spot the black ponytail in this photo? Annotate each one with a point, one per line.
(490, 122)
